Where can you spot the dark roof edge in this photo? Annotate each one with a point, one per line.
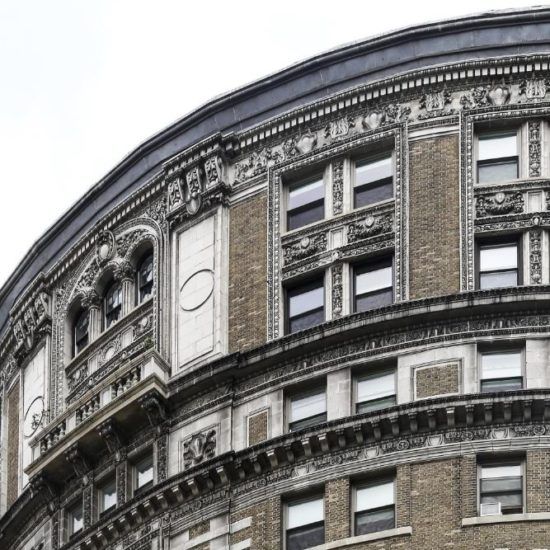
(350, 50)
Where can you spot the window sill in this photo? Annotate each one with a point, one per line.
(350, 541)
(506, 518)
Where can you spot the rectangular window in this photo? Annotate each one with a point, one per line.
(305, 524)
(498, 265)
(373, 284)
(74, 519)
(107, 496)
(501, 371)
(373, 181)
(374, 507)
(497, 157)
(305, 305)
(143, 470)
(501, 488)
(307, 410)
(376, 391)
(306, 203)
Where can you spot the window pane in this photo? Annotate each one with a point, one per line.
(375, 404)
(497, 171)
(498, 257)
(498, 279)
(306, 193)
(306, 321)
(373, 170)
(372, 522)
(76, 519)
(492, 146)
(500, 470)
(372, 193)
(375, 496)
(499, 384)
(302, 301)
(144, 471)
(299, 218)
(507, 500)
(303, 513)
(305, 537)
(501, 365)
(376, 386)
(370, 281)
(310, 405)
(501, 485)
(372, 301)
(108, 493)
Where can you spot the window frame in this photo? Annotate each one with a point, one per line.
(76, 350)
(496, 160)
(372, 482)
(376, 260)
(150, 255)
(502, 461)
(304, 283)
(296, 183)
(494, 349)
(318, 388)
(516, 239)
(106, 480)
(110, 287)
(366, 159)
(142, 457)
(287, 504)
(69, 515)
(374, 372)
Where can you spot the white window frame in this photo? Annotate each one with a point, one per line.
(503, 461)
(295, 395)
(505, 348)
(322, 173)
(300, 500)
(372, 157)
(379, 480)
(361, 376)
(519, 130)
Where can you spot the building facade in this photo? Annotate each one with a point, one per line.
(313, 313)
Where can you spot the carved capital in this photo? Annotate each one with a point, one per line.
(110, 434)
(155, 409)
(76, 458)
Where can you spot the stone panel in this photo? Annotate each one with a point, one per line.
(248, 274)
(434, 217)
(258, 427)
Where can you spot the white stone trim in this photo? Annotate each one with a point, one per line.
(350, 541)
(242, 545)
(508, 518)
(240, 525)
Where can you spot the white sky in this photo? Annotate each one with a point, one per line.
(82, 83)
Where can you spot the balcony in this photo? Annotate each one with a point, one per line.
(117, 398)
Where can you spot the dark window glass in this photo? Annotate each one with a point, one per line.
(113, 304)
(145, 279)
(81, 332)
(307, 536)
(305, 306)
(374, 520)
(498, 265)
(373, 181)
(306, 203)
(502, 484)
(498, 157)
(373, 285)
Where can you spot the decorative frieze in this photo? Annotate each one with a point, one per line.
(337, 290)
(304, 248)
(500, 203)
(337, 187)
(535, 256)
(533, 89)
(534, 148)
(371, 226)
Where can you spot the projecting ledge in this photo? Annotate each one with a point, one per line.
(350, 541)
(507, 518)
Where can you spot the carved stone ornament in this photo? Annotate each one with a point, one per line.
(154, 408)
(129, 240)
(337, 187)
(123, 270)
(306, 143)
(337, 290)
(198, 448)
(105, 246)
(76, 458)
(304, 248)
(256, 163)
(374, 119)
(339, 128)
(534, 88)
(193, 191)
(110, 434)
(369, 227)
(499, 95)
(499, 204)
(478, 97)
(31, 322)
(214, 170)
(435, 101)
(175, 195)
(534, 148)
(535, 256)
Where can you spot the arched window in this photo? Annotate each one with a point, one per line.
(145, 278)
(112, 305)
(81, 334)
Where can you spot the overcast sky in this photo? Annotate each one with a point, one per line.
(84, 82)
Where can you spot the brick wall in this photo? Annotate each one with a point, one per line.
(337, 509)
(248, 274)
(468, 485)
(265, 531)
(13, 445)
(403, 496)
(537, 481)
(437, 380)
(257, 428)
(199, 529)
(434, 217)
